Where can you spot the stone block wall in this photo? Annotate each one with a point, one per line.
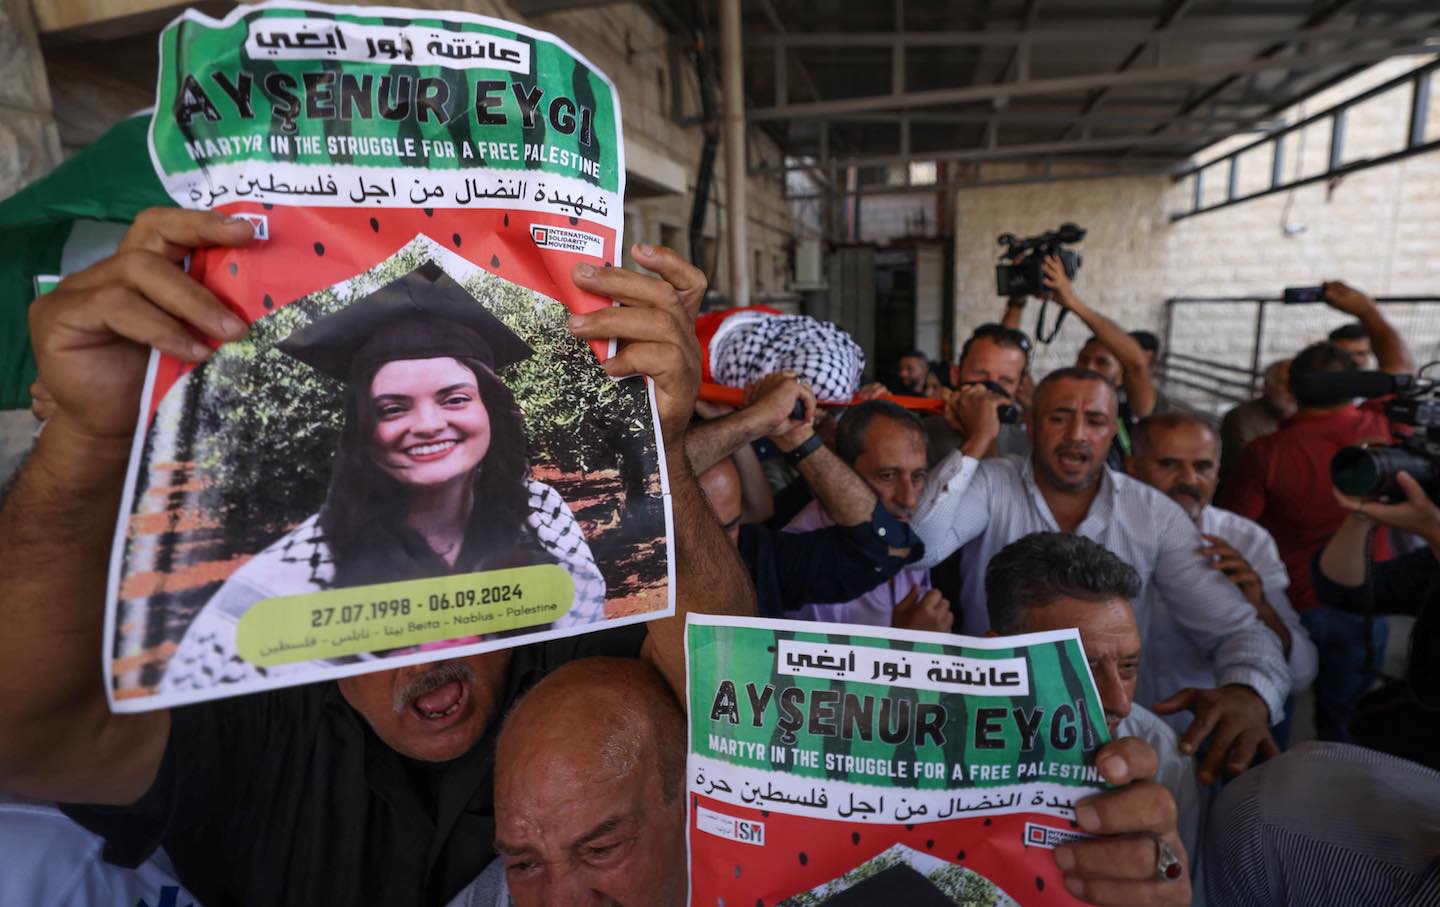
(29, 141)
(1374, 229)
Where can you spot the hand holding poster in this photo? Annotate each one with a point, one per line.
(409, 457)
(835, 765)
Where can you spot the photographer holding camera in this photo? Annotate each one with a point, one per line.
(1401, 716)
(1110, 351)
(982, 413)
(1282, 481)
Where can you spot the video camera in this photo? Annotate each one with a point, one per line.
(1370, 471)
(1018, 273)
(1008, 413)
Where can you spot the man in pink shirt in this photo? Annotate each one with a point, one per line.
(885, 445)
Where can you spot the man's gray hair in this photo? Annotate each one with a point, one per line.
(850, 434)
(1036, 570)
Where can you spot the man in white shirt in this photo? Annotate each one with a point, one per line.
(47, 860)
(1055, 581)
(1065, 487)
(1179, 454)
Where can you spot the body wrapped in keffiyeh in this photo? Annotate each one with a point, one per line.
(741, 346)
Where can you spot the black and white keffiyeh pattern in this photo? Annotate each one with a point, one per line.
(300, 562)
(821, 353)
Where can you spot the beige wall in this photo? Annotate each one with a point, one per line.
(1375, 229)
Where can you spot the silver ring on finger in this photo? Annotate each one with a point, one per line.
(1168, 867)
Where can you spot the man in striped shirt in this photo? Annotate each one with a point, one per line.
(1065, 487)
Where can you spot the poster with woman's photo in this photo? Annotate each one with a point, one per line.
(836, 764)
(409, 457)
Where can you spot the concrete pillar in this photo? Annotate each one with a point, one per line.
(29, 148)
(737, 244)
(29, 141)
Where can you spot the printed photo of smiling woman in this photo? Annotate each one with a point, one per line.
(430, 477)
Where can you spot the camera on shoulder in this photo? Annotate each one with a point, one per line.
(1018, 272)
(1413, 409)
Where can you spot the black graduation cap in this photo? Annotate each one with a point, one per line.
(423, 315)
(900, 884)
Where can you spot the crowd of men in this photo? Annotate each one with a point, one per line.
(1077, 499)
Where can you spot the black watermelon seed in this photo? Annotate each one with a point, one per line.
(1074, 824)
(803, 859)
(759, 902)
(455, 238)
(319, 248)
(574, 221)
(765, 813)
(1039, 884)
(855, 838)
(268, 207)
(234, 269)
(507, 220)
(987, 823)
(960, 855)
(494, 259)
(909, 828)
(930, 844)
(374, 225)
(737, 870)
(268, 302)
(429, 212)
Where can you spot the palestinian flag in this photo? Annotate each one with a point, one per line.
(62, 223)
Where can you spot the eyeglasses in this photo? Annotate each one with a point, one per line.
(1009, 335)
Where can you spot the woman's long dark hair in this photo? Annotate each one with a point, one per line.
(364, 515)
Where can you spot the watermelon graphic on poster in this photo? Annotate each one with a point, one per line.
(409, 457)
(835, 765)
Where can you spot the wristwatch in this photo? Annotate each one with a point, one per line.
(812, 444)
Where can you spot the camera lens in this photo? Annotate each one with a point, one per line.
(1369, 472)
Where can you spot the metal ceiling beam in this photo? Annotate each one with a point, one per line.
(1168, 18)
(773, 17)
(1012, 117)
(1072, 35)
(1186, 73)
(1104, 168)
(1005, 152)
(1020, 52)
(1313, 24)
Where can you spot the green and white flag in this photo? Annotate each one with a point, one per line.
(61, 223)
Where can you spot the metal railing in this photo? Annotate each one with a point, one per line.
(1204, 368)
(1416, 142)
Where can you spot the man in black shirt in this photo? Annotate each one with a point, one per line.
(359, 792)
(373, 789)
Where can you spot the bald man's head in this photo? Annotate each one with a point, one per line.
(721, 487)
(589, 778)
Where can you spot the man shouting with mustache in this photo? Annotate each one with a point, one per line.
(1064, 486)
(1180, 455)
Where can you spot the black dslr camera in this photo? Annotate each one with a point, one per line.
(1008, 413)
(1018, 273)
(1369, 472)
